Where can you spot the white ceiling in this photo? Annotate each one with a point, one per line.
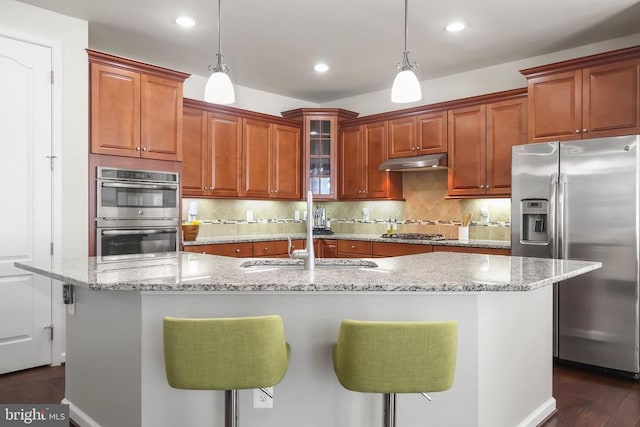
(272, 45)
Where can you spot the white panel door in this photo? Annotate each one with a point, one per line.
(25, 207)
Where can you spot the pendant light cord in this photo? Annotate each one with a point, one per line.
(220, 32)
(406, 27)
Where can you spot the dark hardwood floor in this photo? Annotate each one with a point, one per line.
(584, 398)
(593, 399)
(38, 385)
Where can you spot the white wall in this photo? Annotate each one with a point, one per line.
(247, 98)
(476, 82)
(70, 122)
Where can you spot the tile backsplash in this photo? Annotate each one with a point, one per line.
(425, 210)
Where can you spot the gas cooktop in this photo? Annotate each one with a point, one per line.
(413, 236)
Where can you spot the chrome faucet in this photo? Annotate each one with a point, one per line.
(307, 254)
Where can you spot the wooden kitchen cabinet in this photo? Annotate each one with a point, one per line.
(135, 108)
(194, 177)
(320, 149)
(354, 249)
(238, 250)
(276, 248)
(212, 163)
(271, 160)
(362, 149)
(327, 248)
(467, 151)
(480, 141)
(418, 135)
(590, 97)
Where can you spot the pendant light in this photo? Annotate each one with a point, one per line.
(219, 89)
(406, 87)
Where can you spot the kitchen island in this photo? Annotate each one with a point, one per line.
(114, 362)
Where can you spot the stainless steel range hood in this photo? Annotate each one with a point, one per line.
(429, 162)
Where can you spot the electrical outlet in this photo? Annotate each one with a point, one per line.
(261, 399)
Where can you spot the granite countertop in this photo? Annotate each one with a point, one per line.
(431, 272)
(495, 244)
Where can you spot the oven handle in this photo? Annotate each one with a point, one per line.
(139, 185)
(134, 232)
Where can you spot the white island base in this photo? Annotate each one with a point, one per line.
(115, 370)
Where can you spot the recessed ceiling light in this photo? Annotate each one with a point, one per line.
(185, 21)
(321, 68)
(456, 26)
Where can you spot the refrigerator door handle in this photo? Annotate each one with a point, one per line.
(553, 211)
(562, 199)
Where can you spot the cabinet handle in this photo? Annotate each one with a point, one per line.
(585, 130)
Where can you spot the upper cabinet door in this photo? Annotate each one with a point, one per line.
(506, 127)
(611, 99)
(256, 176)
(467, 151)
(161, 118)
(286, 162)
(224, 160)
(555, 103)
(351, 163)
(194, 178)
(115, 111)
(432, 133)
(402, 137)
(375, 152)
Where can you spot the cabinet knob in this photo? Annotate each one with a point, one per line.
(353, 247)
(585, 130)
(577, 130)
(237, 251)
(266, 249)
(137, 148)
(487, 186)
(481, 186)
(144, 148)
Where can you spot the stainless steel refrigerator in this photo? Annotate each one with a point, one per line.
(579, 200)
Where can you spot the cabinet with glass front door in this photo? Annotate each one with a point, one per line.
(320, 130)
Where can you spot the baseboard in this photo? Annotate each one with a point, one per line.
(540, 414)
(79, 418)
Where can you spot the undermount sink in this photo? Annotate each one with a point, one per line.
(320, 262)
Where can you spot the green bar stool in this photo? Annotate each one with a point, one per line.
(396, 357)
(225, 354)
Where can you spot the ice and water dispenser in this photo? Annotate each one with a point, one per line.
(535, 217)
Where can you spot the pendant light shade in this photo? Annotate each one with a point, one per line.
(406, 87)
(219, 89)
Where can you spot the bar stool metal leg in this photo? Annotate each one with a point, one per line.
(389, 410)
(231, 408)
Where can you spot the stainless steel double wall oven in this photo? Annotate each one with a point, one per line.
(137, 212)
